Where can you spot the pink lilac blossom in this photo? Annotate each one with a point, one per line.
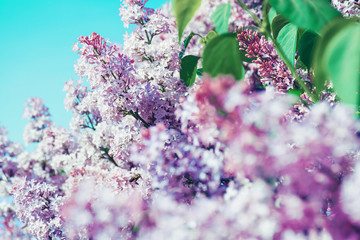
(272, 69)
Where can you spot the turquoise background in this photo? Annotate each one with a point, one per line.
(36, 57)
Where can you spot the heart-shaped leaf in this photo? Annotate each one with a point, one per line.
(188, 69)
(309, 14)
(220, 18)
(184, 10)
(337, 58)
(306, 47)
(287, 39)
(271, 15)
(277, 24)
(222, 56)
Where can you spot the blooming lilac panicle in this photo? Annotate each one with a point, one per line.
(57, 144)
(176, 165)
(8, 151)
(272, 69)
(107, 62)
(349, 8)
(39, 117)
(9, 228)
(9, 173)
(7, 147)
(135, 12)
(74, 94)
(37, 206)
(52, 155)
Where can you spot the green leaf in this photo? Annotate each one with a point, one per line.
(309, 14)
(287, 39)
(199, 72)
(271, 15)
(277, 24)
(337, 58)
(301, 64)
(184, 10)
(208, 37)
(306, 47)
(295, 92)
(188, 69)
(220, 18)
(222, 56)
(299, 34)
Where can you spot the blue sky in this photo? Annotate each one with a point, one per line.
(36, 56)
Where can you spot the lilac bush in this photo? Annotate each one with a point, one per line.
(153, 155)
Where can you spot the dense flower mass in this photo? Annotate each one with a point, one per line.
(148, 157)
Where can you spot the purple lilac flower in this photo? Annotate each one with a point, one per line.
(39, 117)
(272, 69)
(37, 206)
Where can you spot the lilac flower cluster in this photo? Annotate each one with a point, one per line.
(135, 12)
(304, 162)
(104, 209)
(39, 115)
(149, 158)
(177, 166)
(271, 68)
(348, 8)
(37, 205)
